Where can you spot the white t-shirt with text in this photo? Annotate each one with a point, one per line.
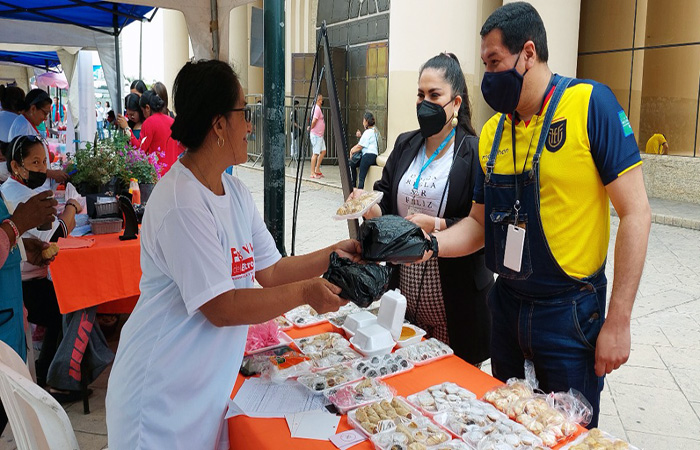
(433, 182)
(174, 370)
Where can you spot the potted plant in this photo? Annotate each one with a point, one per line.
(143, 167)
(95, 168)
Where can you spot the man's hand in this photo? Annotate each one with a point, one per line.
(33, 248)
(39, 209)
(426, 222)
(350, 249)
(58, 175)
(322, 295)
(613, 346)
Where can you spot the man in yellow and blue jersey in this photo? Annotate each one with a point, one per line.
(558, 151)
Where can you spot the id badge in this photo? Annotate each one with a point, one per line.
(515, 241)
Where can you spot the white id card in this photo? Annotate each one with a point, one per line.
(513, 255)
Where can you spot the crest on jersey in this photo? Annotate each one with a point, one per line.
(556, 136)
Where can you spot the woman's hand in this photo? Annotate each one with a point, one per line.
(355, 193)
(58, 175)
(426, 222)
(350, 249)
(73, 202)
(355, 150)
(322, 295)
(122, 122)
(358, 133)
(39, 209)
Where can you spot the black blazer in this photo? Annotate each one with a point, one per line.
(466, 280)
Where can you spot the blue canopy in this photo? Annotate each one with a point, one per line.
(95, 15)
(40, 60)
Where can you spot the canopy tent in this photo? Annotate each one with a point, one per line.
(41, 60)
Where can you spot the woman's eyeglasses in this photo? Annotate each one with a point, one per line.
(248, 112)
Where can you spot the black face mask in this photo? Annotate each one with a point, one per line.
(35, 179)
(431, 117)
(501, 90)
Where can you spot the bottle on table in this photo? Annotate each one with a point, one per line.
(135, 191)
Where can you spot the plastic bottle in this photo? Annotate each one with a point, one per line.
(392, 312)
(135, 191)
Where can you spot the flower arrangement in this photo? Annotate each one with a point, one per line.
(95, 165)
(137, 164)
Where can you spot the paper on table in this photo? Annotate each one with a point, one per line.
(347, 439)
(319, 424)
(263, 398)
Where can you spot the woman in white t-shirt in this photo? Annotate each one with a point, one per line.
(368, 147)
(203, 245)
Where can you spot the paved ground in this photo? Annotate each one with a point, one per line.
(653, 401)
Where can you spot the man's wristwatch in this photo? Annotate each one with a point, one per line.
(434, 245)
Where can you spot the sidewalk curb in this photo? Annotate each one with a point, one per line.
(667, 219)
(292, 177)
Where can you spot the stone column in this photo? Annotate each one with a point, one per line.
(238, 43)
(176, 48)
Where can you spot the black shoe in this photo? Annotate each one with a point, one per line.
(69, 396)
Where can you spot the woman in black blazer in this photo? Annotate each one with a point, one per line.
(429, 179)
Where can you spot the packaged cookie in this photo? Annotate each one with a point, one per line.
(416, 433)
(283, 323)
(327, 349)
(383, 366)
(441, 397)
(383, 415)
(332, 377)
(425, 352)
(304, 316)
(355, 208)
(596, 439)
(359, 394)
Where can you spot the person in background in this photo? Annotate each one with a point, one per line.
(368, 148)
(203, 247)
(26, 161)
(109, 123)
(318, 144)
(155, 132)
(131, 124)
(37, 210)
(138, 87)
(544, 221)
(12, 101)
(429, 179)
(100, 120)
(35, 109)
(162, 92)
(657, 145)
(58, 111)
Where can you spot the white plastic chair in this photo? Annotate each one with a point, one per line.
(38, 421)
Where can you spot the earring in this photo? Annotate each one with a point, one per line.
(454, 120)
(220, 142)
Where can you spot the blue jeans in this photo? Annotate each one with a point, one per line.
(367, 160)
(557, 333)
(100, 129)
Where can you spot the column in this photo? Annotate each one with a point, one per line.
(175, 48)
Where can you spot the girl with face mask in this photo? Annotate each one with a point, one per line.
(429, 179)
(26, 161)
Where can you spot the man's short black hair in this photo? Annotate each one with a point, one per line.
(519, 22)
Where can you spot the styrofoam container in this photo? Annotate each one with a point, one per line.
(413, 339)
(358, 320)
(373, 340)
(392, 312)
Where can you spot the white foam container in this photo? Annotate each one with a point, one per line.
(373, 340)
(413, 339)
(392, 312)
(358, 320)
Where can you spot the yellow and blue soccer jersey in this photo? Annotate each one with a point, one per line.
(590, 144)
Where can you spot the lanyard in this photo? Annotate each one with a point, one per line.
(516, 206)
(433, 156)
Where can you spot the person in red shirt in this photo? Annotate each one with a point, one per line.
(155, 131)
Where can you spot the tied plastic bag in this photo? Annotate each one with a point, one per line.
(392, 239)
(552, 417)
(362, 284)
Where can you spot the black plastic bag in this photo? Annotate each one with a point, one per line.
(360, 283)
(392, 239)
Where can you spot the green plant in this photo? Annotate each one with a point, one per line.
(96, 165)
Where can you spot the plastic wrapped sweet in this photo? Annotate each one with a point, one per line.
(454, 444)
(283, 323)
(441, 397)
(596, 439)
(358, 394)
(504, 397)
(355, 208)
(262, 335)
(304, 316)
(327, 349)
(332, 377)
(483, 427)
(425, 351)
(290, 364)
(383, 366)
(255, 364)
(382, 416)
(415, 433)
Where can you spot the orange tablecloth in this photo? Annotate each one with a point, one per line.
(108, 271)
(247, 433)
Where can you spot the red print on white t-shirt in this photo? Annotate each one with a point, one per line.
(243, 262)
